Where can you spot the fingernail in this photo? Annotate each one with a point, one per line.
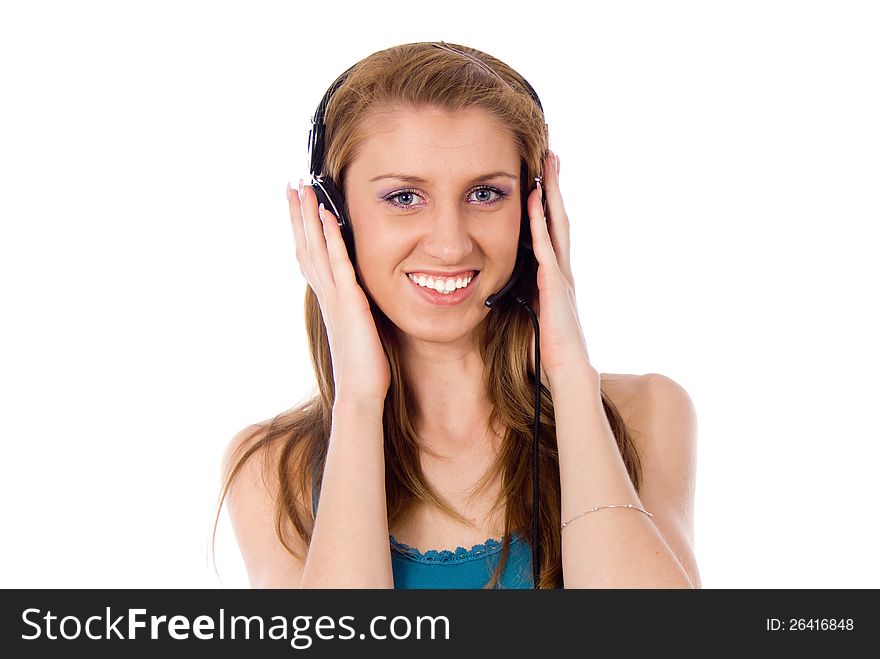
(301, 186)
(288, 191)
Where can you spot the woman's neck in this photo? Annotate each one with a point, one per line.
(452, 408)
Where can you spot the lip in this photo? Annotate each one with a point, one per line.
(440, 273)
(444, 300)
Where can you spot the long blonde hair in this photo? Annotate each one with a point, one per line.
(420, 75)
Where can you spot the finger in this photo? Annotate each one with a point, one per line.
(340, 263)
(317, 244)
(559, 228)
(299, 236)
(540, 236)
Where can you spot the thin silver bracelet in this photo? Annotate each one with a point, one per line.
(614, 505)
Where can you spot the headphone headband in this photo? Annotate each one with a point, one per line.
(315, 143)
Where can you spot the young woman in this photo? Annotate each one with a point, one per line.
(411, 467)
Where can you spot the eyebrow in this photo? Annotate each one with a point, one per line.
(419, 179)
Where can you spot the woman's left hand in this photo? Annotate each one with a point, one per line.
(563, 347)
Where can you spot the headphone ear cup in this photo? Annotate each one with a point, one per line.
(525, 233)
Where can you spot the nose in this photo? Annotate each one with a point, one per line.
(448, 237)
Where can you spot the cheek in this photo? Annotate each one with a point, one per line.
(508, 228)
(378, 250)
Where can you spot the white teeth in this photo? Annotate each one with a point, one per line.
(441, 285)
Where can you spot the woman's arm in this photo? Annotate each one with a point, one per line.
(349, 546)
(608, 548)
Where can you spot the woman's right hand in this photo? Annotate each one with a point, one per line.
(360, 367)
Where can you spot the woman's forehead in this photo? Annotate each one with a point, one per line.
(416, 143)
(433, 124)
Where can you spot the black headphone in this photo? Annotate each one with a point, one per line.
(328, 192)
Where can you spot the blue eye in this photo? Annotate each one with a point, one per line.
(402, 193)
(409, 192)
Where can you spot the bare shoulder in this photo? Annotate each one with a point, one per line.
(240, 443)
(251, 502)
(641, 397)
(621, 388)
(661, 415)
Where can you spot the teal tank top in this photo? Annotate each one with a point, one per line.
(462, 568)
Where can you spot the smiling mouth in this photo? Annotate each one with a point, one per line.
(443, 285)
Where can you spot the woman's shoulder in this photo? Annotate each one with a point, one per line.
(638, 395)
(635, 383)
(622, 388)
(266, 440)
(243, 441)
(661, 414)
(254, 453)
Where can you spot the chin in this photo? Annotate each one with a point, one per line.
(431, 327)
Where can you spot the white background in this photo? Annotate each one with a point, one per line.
(719, 166)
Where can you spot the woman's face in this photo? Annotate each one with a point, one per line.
(457, 214)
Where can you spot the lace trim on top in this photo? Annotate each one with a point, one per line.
(460, 555)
